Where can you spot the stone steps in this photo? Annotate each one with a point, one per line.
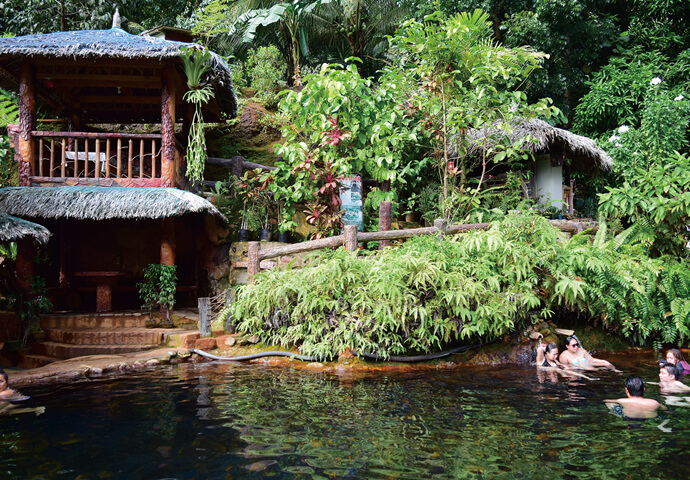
(107, 336)
(64, 350)
(94, 320)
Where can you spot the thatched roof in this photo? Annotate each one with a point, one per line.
(13, 229)
(99, 203)
(574, 146)
(105, 45)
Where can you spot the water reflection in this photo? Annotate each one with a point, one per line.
(249, 421)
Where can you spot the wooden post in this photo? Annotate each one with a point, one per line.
(442, 227)
(204, 318)
(168, 95)
(351, 238)
(253, 262)
(384, 222)
(237, 168)
(25, 265)
(27, 123)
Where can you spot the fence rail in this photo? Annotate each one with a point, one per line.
(350, 238)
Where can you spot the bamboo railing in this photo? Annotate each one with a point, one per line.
(96, 155)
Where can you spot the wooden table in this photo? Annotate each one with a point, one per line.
(104, 287)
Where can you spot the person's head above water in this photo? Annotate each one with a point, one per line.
(634, 386)
(551, 351)
(674, 356)
(668, 373)
(3, 380)
(572, 343)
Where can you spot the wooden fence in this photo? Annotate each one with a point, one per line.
(351, 237)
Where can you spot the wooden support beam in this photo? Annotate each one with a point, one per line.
(27, 123)
(168, 174)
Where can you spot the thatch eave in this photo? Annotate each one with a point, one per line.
(13, 229)
(114, 43)
(99, 203)
(578, 148)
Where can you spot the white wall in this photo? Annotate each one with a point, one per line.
(549, 181)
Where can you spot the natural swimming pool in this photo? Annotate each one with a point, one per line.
(223, 421)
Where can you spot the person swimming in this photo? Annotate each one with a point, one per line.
(634, 406)
(547, 359)
(675, 357)
(577, 357)
(668, 380)
(5, 391)
(547, 356)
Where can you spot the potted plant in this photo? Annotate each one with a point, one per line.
(158, 290)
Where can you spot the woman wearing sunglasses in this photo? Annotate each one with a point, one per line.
(577, 357)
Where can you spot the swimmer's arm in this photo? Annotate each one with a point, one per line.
(540, 355)
(569, 371)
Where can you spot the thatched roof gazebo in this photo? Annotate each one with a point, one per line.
(94, 203)
(546, 140)
(89, 59)
(13, 229)
(106, 78)
(556, 152)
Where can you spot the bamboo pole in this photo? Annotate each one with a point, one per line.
(129, 160)
(40, 157)
(52, 157)
(153, 158)
(63, 160)
(86, 158)
(141, 158)
(107, 158)
(97, 173)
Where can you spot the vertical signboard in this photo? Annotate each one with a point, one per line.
(351, 197)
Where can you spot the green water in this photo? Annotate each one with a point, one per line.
(222, 421)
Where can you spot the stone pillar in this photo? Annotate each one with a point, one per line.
(168, 95)
(27, 123)
(168, 241)
(167, 254)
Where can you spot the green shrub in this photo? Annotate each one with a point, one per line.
(432, 292)
(265, 68)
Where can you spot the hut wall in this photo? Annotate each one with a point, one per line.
(125, 246)
(549, 181)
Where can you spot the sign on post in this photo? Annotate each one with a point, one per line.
(351, 197)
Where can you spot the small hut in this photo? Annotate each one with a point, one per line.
(104, 238)
(93, 84)
(556, 153)
(115, 118)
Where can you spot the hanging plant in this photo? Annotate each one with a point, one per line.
(195, 66)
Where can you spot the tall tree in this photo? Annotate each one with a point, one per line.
(22, 17)
(361, 25)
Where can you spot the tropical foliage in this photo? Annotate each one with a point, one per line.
(432, 292)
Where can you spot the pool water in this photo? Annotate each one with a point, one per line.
(232, 421)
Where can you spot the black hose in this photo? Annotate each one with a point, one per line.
(420, 358)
